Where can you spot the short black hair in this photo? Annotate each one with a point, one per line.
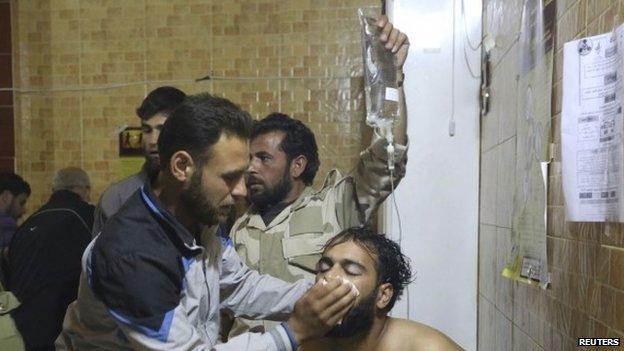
(198, 123)
(14, 184)
(392, 265)
(160, 100)
(298, 140)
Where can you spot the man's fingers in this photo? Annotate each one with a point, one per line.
(394, 35)
(381, 22)
(385, 32)
(340, 314)
(336, 294)
(347, 301)
(324, 286)
(399, 42)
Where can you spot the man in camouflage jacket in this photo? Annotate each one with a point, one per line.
(283, 231)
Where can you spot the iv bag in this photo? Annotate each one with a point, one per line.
(380, 86)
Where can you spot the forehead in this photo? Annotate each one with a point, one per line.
(351, 251)
(155, 120)
(229, 153)
(269, 142)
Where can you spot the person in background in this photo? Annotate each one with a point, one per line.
(153, 112)
(44, 258)
(14, 192)
(381, 272)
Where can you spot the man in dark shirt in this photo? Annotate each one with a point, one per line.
(153, 112)
(44, 259)
(14, 192)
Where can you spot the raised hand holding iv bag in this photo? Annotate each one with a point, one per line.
(380, 80)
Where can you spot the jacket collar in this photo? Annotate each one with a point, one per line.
(64, 196)
(166, 219)
(255, 220)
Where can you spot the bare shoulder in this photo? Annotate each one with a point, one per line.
(420, 337)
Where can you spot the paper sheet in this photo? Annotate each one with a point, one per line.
(591, 128)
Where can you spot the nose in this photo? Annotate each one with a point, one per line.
(335, 271)
(240, 190)
(253, 165)
(153, 137)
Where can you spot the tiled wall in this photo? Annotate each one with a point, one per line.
(7, 142)
(586, 297)
(82, 67)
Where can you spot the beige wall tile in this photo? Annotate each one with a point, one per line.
(505, 183)
(95, 44)
(489, 178)
(487, 262)
(486, 332)
(503, 286)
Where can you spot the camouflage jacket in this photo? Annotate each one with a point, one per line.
(289, 247)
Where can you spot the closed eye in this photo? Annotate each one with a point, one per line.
(323, 265)
(353, 269)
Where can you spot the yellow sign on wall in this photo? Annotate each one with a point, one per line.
(130, 152)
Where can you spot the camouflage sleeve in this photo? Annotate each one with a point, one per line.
(359, 194)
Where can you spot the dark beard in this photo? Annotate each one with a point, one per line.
(271, 197)
(357, 321)
(151, 168)
(198, 202)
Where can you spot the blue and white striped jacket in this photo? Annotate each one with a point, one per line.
(147, 285)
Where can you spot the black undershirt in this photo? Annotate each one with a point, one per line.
(268, 215)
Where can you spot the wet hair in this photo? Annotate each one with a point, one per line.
(392, 266)
(14, 184)
(298, 140)
(197, 124)
(160, 100)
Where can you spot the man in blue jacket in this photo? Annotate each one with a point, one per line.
(157, 275)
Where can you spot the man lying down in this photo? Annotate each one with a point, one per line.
(380, 271)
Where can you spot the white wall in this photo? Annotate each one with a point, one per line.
(438, 199)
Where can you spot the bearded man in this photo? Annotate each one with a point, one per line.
(380, 271)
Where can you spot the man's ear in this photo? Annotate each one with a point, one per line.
(297, 166)
(181, 165)
(384, 295)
